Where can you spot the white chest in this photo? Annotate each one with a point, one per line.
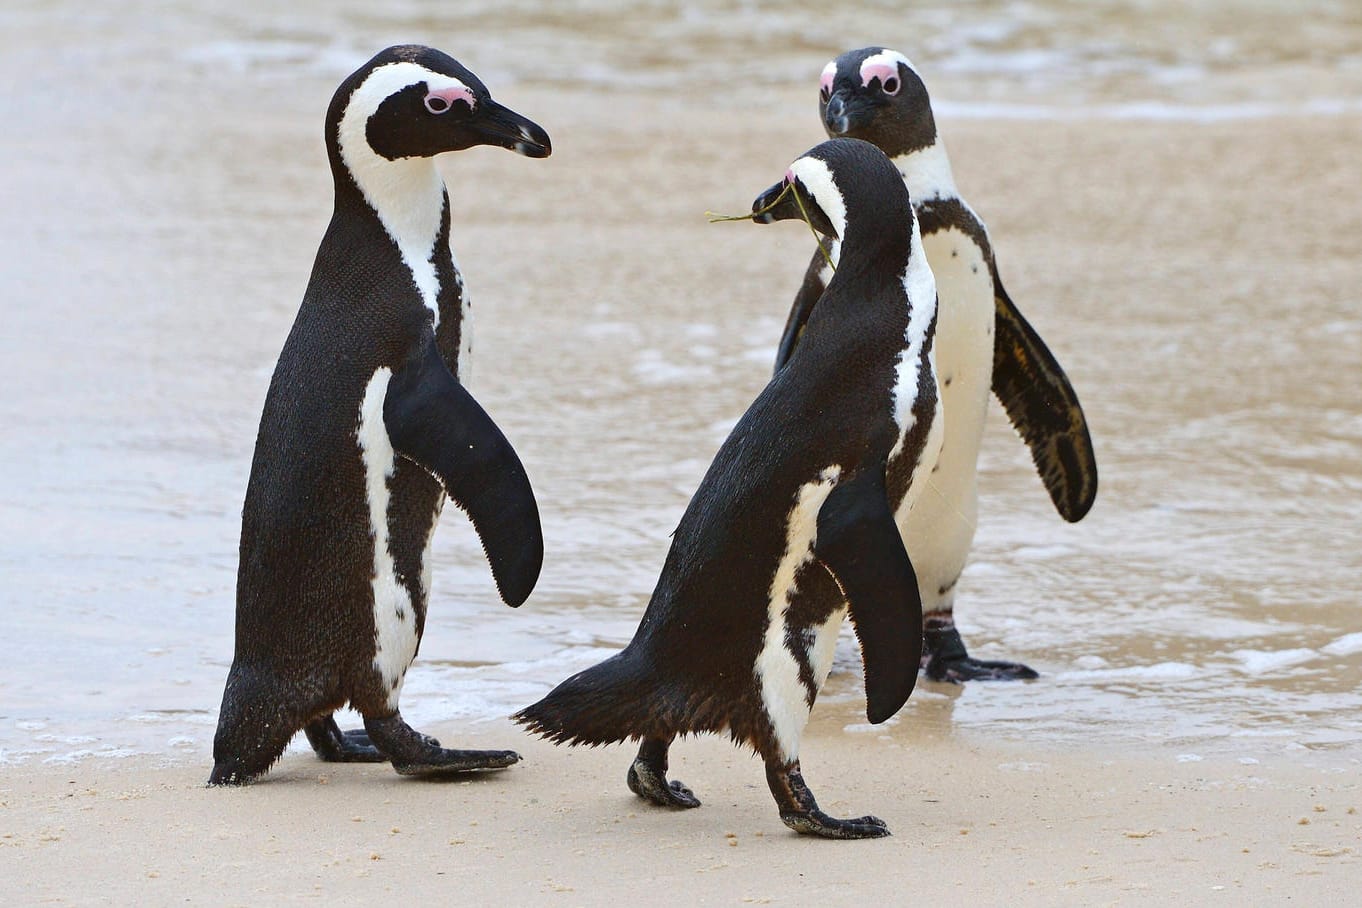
(395, 637)
(777, 668)
(965, 313)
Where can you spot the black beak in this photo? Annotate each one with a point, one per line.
(847, 114)
(503, 127)
(764, 213)
(789, 208)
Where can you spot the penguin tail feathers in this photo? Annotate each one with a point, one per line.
(605, 704)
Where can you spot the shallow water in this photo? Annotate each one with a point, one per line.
(164, 195)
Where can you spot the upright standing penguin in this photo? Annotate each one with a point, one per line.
(874, 94)
(366, 428)
(792, 526)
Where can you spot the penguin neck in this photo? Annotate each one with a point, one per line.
(927, 173)
(408, 198)
(856, 250)
(862, 260)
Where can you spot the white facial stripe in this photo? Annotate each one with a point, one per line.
(407, 194)
(881, 65)
(817, 180)
(391, 78)
(394, 620)
(920, 286)
(783, 695)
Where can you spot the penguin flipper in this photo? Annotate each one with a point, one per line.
(809, 293)
(859, 544)
(432, 420)
(1044, 410)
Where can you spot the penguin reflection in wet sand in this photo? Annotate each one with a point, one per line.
(366, 428)
(792, 526)
(874, 94)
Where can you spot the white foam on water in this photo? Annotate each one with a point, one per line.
(1162, 671)
(1346, 645)
(1261, 661)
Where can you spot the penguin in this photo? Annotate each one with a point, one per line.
(792, 527)
(366, 429)
(983, 343)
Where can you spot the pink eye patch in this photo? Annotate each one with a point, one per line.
(440, 100)
(825, 82)
(878, 69)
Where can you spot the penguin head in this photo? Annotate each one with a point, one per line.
(416, 102)
(876, 95)
(844, 186)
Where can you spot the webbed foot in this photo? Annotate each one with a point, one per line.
(799, 810)
(415, 754)
(944, 659)
(648, 777)
(825, 827)
(336, 746)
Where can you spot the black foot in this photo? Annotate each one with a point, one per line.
(799, 810)
(648, 777)
(415, 754)
(825, 827)
(944, 659)
(336, 746)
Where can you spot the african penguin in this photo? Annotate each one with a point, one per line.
(792, 526)
(366, 428)
(876, 95)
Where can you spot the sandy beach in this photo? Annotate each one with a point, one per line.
(1196, 733)
(984, 823)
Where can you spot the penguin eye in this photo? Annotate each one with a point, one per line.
(443, 100)
(824, 94)
(890, 86)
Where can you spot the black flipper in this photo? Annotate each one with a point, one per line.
(432, 420)
(859, 543)
(809, 293)
(1044, 409)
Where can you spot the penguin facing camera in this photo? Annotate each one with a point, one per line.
(983, 342)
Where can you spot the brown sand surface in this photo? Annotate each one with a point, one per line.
(981, 823)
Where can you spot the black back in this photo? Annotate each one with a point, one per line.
(689, 667)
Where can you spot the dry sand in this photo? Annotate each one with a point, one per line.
(976, 823)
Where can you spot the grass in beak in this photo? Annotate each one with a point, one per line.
(718, 218)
